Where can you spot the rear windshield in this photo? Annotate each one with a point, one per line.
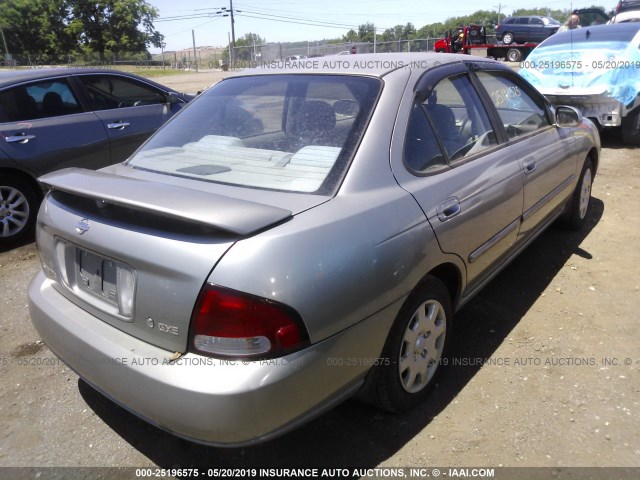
(283, 132)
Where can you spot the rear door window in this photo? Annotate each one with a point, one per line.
(43, 99)
(459, 118)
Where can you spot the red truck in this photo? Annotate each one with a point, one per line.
(472, 40)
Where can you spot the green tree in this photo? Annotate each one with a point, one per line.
(431, 31)
(366, 32)
(115, 26)
(247, 45)
(36, 27)
(244, 47)
(351, 36)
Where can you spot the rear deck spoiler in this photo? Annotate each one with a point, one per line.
(233, 215)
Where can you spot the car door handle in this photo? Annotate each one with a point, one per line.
(19, 138)
(449, 209)
(118, 125)
(529, 166)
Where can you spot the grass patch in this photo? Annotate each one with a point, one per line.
(151, 72)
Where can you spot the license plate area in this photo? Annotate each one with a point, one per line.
(97, 275)
(103, 282)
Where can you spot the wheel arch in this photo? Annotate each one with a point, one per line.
(24, 176)
(450, 275)
(593, 155)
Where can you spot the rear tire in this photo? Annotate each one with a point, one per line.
(19, 204)
(631, 128)
(507, 38)
(417, 342)
(514, 55)
(578, 207)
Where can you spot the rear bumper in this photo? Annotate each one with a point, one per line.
(204, 399)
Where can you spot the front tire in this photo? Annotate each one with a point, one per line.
(578, 207)
(631, 128)
(507, 38)
(514, 55)
(18, 209)
(415, 347)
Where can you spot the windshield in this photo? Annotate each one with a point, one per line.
(283, 132)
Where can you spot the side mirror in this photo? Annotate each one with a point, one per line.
(172, 97)
(567, 116)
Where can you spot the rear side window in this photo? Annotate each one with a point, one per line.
(110, 91)
(450, 125)
(44, 99)
(519, 111)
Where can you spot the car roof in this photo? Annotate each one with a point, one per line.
(12, 77)
(370, 64)
(610, 31)
(528, 16)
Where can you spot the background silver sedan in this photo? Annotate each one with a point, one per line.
(295, 237)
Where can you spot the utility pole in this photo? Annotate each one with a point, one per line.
(374, 38)
(7, 55)
(195, 58)
(233, 36)
(499, 7)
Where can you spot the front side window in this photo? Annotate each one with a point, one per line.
(110, 91)
(282, 132)
(520, 113)
(43, 99)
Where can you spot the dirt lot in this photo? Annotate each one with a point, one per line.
(546, 369)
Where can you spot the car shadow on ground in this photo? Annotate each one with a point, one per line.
(16, 245)
(612, 138)
(359, 436)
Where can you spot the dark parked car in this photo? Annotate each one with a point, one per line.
(531, 28)
(56, 118)
(298, 235)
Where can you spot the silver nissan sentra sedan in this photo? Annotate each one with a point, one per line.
(296, 236)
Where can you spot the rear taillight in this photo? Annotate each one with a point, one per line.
(228, 323)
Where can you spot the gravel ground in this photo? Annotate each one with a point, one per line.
(192, 82)
(545, 368)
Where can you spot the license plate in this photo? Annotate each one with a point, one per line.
(97, 275)
(106, 283)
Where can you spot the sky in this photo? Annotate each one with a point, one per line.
(299, 20)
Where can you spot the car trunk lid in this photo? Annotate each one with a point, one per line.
(136, 253)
